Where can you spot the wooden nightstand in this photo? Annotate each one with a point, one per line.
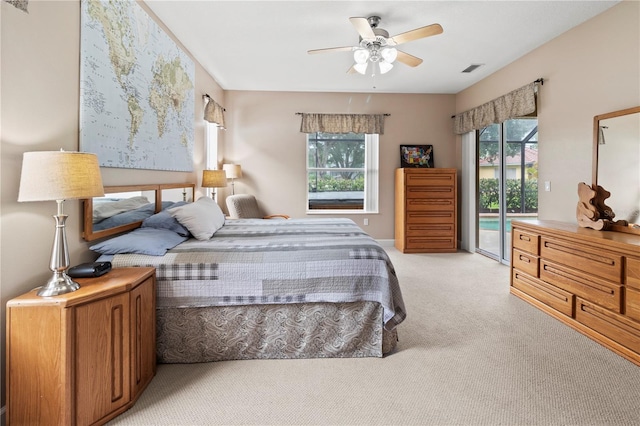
(82, 357)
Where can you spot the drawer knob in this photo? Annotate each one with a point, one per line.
(525, 259)
(524, 238)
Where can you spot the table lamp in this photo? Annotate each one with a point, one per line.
(214, 179)
(59, 176)
(234, 171)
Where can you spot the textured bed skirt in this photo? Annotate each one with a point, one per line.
(307, 330)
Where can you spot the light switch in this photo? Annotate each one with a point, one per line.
(547, 185)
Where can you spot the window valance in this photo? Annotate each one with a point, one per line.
(518, 103)
(342, 123)
(213, 113)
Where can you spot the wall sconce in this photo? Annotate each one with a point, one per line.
(233, 171)
(214, 179)
(59, 176)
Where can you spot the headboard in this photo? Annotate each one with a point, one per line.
(124, 207)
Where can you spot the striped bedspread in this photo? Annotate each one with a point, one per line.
(256, 261)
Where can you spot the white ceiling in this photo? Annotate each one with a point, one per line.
(262, 45)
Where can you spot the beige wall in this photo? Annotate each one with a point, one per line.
(263, 135)
(40, 107)
(589, 70)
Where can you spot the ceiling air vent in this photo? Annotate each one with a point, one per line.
(471, 68)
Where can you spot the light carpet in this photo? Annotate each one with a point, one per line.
(469, 354)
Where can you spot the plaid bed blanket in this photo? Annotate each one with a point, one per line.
(257, 261)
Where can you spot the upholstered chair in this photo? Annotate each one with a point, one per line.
(245, 206)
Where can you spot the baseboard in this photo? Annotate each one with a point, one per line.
(386, 243)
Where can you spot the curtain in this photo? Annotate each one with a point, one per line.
(342, 123)
(519, 103)
(214, 113)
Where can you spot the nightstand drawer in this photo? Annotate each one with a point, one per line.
(526, 241)
(548, 294)
(525, 262)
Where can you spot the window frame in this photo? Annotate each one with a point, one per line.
(371, 172)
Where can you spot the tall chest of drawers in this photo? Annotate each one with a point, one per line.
(589, 280)
(426, 210)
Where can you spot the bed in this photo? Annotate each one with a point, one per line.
(263, 288)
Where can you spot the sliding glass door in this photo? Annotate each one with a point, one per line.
(507, 183)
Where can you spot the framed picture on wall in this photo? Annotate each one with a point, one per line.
(416, 156)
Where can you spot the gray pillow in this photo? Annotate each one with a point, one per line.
(202, 218)
(164, 220)
(151, 241)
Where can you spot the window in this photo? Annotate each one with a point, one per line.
(342, 172)
(211, 148)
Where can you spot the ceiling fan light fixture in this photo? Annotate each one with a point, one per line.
(385, 67)
(389, 54)
(361, 56)
(361, 68)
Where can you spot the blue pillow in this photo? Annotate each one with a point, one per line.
(151, 241)
(164, 220)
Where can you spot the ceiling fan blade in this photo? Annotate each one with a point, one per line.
(331, 49)
(352, 70)
(363, 28)
(429, 30)
(407, 59)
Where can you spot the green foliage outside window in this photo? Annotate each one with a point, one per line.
(489, 196)
(327, 183)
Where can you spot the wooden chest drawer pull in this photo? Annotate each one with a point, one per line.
(586, 255)
(525, 259)
(608, 319)
(524, 237)
(430, 227)
(427, 202)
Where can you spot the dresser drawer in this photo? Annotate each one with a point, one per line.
(421, 204)
(525, 262)
(597, 262)
(591, 288)
(430, 179)
(430, 230)
(548, 294)
(430, 192)
(614, 326)
(526, 241)
(431, 242)
(632, 304)
(633, 273)
(430, 217)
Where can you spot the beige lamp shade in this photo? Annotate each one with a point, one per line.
(234, 171)
(214, 178)
(59, 175)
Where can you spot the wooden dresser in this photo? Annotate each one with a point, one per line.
(426, 210)
(588, 279)
(83, 357)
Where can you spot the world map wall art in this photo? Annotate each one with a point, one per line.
(136, 90)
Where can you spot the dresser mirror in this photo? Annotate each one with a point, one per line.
(123, 208)
(616, 164)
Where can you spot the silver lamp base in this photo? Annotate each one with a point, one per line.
(60, 283)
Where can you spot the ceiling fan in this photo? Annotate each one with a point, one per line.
(377, 48)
